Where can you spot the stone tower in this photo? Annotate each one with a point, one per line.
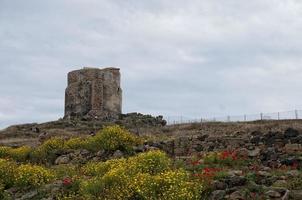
(93, 93)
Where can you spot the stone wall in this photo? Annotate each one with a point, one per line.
(93, 93)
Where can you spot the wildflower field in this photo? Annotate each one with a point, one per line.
(111, 166)
(146, 175)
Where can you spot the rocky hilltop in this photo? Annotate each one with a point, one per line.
(244, 160)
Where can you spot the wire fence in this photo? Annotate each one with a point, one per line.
(293, 114)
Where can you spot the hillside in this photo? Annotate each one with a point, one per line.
(246, 160)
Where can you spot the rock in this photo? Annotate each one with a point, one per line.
(293, 173)
(43, 136)
(29, 195)
(236, 196)
(297, 139)
(235, 181)
(242, 152)
(218, 195)
(269, 154)
(264, 173)
(84, 152)
(291, 148)
(235, 173)
(62, 160)
(117, 154)
(100, 153)
(139, 148)
(35, 129)
(96, 159)
(273, 194)
(254, 153)
(289, 161)
(267, 169)
(286, 195)
(219, 185)
(290, 133)
(295, 194)
(280, 183)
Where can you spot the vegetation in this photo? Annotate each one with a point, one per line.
(148, 175)
(134, 176)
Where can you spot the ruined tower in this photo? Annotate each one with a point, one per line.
(93, 93)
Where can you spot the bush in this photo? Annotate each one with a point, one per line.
(172, 184)
(7, 172)
(145, 176)
(32, 175)
(76, 143)
(117, 185)
(114, 185)
(113, 138)
(101, 168)
(152, 162)
(47, 152)
(67, 170)
(3, 194)
(4, 151)
(20, 154)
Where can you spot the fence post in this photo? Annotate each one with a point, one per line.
(296, 114)
(245, 118)
(278, 116)
(261, 116)
(228, 118)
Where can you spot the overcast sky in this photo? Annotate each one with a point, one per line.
(192, 58)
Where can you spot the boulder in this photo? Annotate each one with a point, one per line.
(291, 148)
(117, 154)
(290, 133)
(295, 194)
(254, 153)
(218, 195)
(273, 194)
(64, 159)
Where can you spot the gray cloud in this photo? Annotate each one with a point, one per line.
(199, 58)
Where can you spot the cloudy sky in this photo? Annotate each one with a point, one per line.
(191, 58)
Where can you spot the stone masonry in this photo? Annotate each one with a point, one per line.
(93, 93)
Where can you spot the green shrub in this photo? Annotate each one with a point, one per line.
(145, 176)
(24, 175)
(101, 168)
(113, 138)
(152, 162)
(294, 183)
(32, 175)
(172, 184)
(76, 143)
(47, 152)
(7, 172)
(3, 194)
(117, 185)
(4, 151)
(68, 170)
(20, 154)
(114, 185)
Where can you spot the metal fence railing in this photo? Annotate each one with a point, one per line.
(293, 114)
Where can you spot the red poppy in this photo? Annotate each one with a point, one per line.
(67, 181)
